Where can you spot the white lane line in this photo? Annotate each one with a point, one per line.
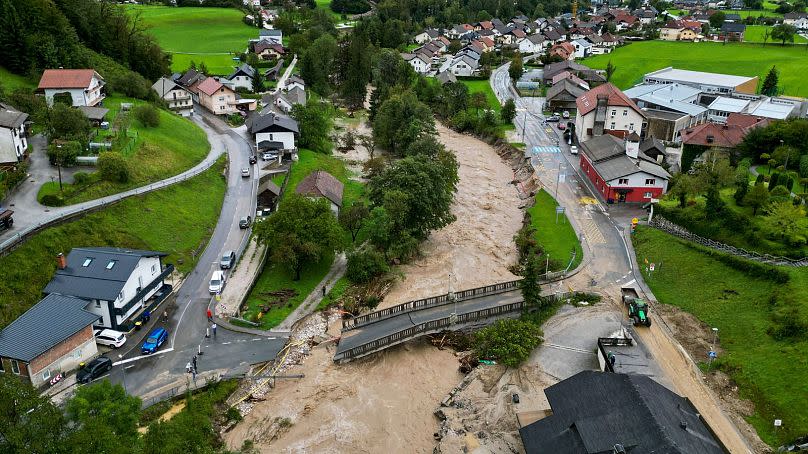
(138, 358)
(625, 245)
(226, 343)
(256, 339)
(630, 282)
(179, 322)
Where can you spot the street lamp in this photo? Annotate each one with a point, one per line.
(123, 372)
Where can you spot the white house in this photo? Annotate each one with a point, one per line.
(419, 62)
(284, 100)
(178, 98)
(426, 36)
(116, 283)
(463, 66)
(583, 48)
(242, 77)
(273, 36)
(532, 44)
(606, 109)
(294, 81)
(83, 85)
(274, 132)
(13, 143)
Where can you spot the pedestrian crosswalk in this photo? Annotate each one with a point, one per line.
(539, 150)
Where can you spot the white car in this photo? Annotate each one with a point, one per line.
(267, 156)
(245, 172)
(110, 338)
(216, 282)
(573, 149)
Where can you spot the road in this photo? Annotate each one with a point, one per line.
(606, 253)
(187, 317)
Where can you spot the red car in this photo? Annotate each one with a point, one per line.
(562, 126)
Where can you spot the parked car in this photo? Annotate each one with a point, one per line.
(268, 156)
(244, 222)
(216, 282)
(228, 259)
(94, 369)
(110, 338)
(156, 339)
(253, 159)
(262, 212)
(565, 114)
(573, 149)
(554, 118)
(562, 126)
(245, 172)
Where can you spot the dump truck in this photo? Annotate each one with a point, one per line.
(637, 308)
(6, 221)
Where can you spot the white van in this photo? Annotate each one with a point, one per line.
(110, 338)
(216, 282)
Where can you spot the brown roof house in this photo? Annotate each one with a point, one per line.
(215, 97)
(83, 85)
(322, 184)
(607, 110)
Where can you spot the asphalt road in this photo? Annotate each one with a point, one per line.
(187, 321)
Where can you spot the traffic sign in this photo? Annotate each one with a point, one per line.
(559, 210)
(635, 221)
(778, 422)
(712, 354)
(651, 267)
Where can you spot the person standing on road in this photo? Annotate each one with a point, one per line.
(165, 316)
(213, 327)
(210, 315)
(194, 361)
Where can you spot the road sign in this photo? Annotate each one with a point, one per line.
(560, 210)
(651, 267)
(778, 422)
(712, 354)
(562, 177)
(635, 221)
(653, 200)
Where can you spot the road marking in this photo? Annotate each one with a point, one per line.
(129, 367)
(256, 339)
(570, 349)
(630, 282)
(226, 343)
(625, 245)
(138, 358)
(179, 322)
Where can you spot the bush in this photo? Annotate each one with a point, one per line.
(80, 178)
(113, 167)
(52, 200)
(760, 179)
(148, 115)
(507, 341)
(363, 266)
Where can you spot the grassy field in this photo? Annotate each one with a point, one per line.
(558, 240)
(176, 145)
(636, 59)
(476, 86)
(210, 35)
(769, 372)
(754, 34)
(274, 278)
(177, 220)
(9, 81)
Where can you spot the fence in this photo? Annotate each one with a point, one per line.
(667, 226)
(103, 202)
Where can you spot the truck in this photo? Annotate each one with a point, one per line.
(637, 307)
(6, 221)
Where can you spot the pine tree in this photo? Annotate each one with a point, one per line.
(12, 39)
(769, 87)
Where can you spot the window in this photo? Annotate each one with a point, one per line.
(614, 112)
(97, 303)
(650, 181)
(111, 264)
(625, 112)
(221, 98)
(120, 295)
(46, 375)
(87, 262)
(631, 126)
(612, 126)
(647, 195)
(15, 366)
(270, 136)
(623, 181)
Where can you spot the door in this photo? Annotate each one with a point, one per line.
(621, 197)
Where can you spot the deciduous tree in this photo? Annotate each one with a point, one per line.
(508, 111)
(783, 33)
(757, 198)
(352, 217)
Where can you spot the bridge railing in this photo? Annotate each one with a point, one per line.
(423, 303)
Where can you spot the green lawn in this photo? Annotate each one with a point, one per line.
(9, 81)
(557, 239)
(176, 145)
(754, 34)
(177, 220)
(274, 278)
(766, 12)
(485, 87)
(326, 5)
(211, 35)
(771, 373)
(634, 60)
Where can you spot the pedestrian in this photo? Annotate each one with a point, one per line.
(213, 327)
(188, 368)
(194, 361)
(324, 291)
(146, 315)
(165, 316)
(210, 315)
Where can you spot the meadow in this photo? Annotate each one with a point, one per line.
(210, 35)
(557, 239)
(754, 34)
(634, 60)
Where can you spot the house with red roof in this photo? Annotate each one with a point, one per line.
(85, 86)
(607, 110)
(722, 137)
(564, 50)
(215, 97)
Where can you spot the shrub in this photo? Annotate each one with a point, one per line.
(81, 178)
(113, 167)
(148, 115)
(52, 200)
(760, 179)
(774, 180)
(363, 266)
(508, 341)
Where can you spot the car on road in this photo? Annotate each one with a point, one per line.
(216, 282)
(565, 114)
(94, 369)
(573, 149)
(228, 259)
(253, 159)
(562, 126)
(110, 338)
(553, 118)
(267, 156)
(244, 222)
(245, 172)
(156, 339)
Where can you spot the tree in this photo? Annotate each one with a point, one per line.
(257, 80)
(364, 265)
(352, 217)
(682, 185)
(784, 218)
(717, 19)
(478, 101)
(301, 233)
(67, 123)
(516, 68)
(783, 33)
(769, 87)
(147, 115)
(455, 97)
(741, 186)
(766, 36)
(713, 202)
(28, 422)
(804, 184)
(108, 405)
(508, 111)
(610, 69)
(112, 166)
(757, 198)
(354, 69)
(774, 180)
(314, 122)
(804, 166)
(784, 153)
(317, 62)
(401, 120)
(426, 146)
(508, 341)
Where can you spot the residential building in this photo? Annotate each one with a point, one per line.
(177, 98)
(462, 65)
(268, 192)
(583, 48)
(322, 184)
(445, 77)
(284, 100)
(607, 110)
(294, 81)
(713, 83)
(426, 36)
(585, 73)
(794, 18)
(115, 283)
(723, 137)
(562, 95)
(215, 96)
(242, 77)
(266, 50)
(13, 140)
(275, 133)
(52, 337)
(563, 50)
(85, 86)
(620, 172)
(272, 36)
(681, 30)
(731, 31)
(419, 62)
(603, 412)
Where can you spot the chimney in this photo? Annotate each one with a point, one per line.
(633, 146)
(61, 261)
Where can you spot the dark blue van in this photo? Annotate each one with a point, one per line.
(156, 338)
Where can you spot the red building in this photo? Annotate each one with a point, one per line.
(620, 172)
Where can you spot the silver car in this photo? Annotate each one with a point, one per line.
(228, 259)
